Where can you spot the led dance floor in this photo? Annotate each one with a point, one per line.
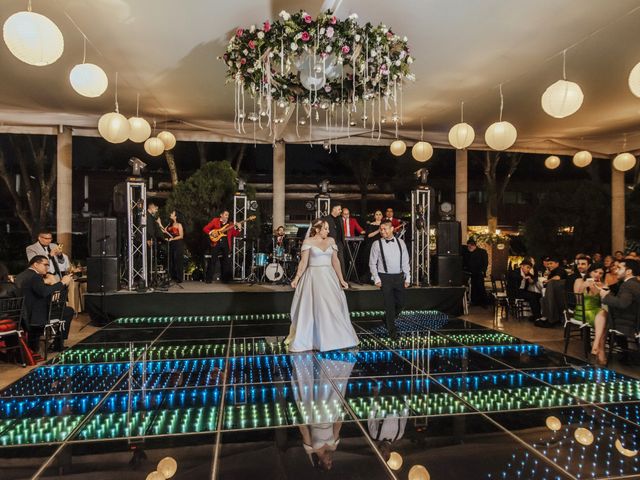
(220, 394)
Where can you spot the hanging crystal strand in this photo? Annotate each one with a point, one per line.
(401, 103)
(353, 75)
(379, 114)
(282, 55)
(242, 111)
(501, 102)
(235, 105)
(297, 116)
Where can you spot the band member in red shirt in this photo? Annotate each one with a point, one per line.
(221, 232)
(395, 222)
(350, 225)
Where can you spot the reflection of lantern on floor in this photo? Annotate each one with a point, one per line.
(395, 461)
(418, 472)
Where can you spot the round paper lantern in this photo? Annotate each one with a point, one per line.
(624, 161)
(583, 436)
(114, 127)
(418, 472)
(168, 139)
(461, 135)
(154, 146)
(582, 159)
(33, 38)
(395, 461)
(398, 148)
(553, 423)
(634, 80)
(422, 151)
(167, 467)
(562, 99)
(140, 129)
(88, 80)
(155, 476)
(500, 135)
(552, 162)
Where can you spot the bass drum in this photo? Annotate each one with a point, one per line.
(274, 272)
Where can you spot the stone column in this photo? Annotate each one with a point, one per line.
(462, 191)
(64, 189)
(617, 210)
(278, 183)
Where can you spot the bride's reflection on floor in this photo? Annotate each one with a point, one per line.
(318, 388)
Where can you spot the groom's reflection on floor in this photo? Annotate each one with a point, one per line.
(318, 388)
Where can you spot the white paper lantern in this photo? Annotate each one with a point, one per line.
(461, 135)
(582, 159)
(88, 80)
(422, 151)
(168, 139)
(114, 127)
(398, 148)
(154, 146)
(167, 467)
(500, 135)
(552, 162)
(33, 38)
(624, 161)
(140, 129)
(562, 99)
(634, 80)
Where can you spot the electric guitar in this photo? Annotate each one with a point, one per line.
(218, 234)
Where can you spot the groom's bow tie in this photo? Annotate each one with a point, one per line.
(390, 241)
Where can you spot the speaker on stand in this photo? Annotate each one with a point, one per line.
(449, 260)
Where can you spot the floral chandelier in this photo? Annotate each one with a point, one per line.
(322, 64)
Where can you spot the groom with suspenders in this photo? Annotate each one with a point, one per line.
(389, 265)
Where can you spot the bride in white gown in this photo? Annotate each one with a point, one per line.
(319, 314)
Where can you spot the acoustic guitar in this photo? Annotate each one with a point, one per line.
(218, 234)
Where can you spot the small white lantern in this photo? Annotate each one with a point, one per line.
(624, 161)
(114, 127)
(500, 135)
(88, 80)
(140, 129)
(562, 99)
(582, 159)
(398, 148)
(33, 38)
(634, 80)
(154, 146)
(168, 139)
(461, 135)
(422, 151)
(552, 162)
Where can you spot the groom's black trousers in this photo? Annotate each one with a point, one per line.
(393, 293)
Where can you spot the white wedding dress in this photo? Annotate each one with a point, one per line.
(319, 314)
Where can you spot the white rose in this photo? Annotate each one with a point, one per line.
(252, 28)
(405, 39)
(322, 30)
(373, 53)
(358, 38)
(245, 51)
(284, 15)
(270, 54)
(398, 63)
(293, 46)
(260, 35)
(409, 60)
(353, 16)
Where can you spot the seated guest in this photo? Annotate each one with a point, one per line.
(582, 265)
(350, 225)
(520, 283)
(553, 300)
(7, 287)
(624, 305)
(611, 271)
(596, 258)
(618, 255)
(593, 313)
(37, 295)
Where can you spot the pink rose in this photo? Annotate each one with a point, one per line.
(346, 49)
(305, 36)
(330, 32)
(266, 27)
(333, 20)
(239, 32)
(243, 61)
(389, 35)
(307, 19)
(252, 45)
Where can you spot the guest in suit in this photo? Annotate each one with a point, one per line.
(389, 265)
(475, 263)
(45, 246)
(336, 231)
(624, 305)
(519, 282)
(350, 225)
(7, 287)
(37, 294)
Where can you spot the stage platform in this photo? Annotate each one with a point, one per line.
(197, 298)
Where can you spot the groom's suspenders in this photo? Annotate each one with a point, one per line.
(384, 260)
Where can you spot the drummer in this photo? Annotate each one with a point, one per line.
(279, 239)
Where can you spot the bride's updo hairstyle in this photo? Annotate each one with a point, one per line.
(316, 227)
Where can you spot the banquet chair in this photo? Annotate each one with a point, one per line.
(11, 311)
(622, 333)
(500, 300)
(575, 324)
(55, 327)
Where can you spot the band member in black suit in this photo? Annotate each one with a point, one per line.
(389, 265)
(37, 295)
(336, 231)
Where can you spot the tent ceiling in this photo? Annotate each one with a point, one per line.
(166, 51)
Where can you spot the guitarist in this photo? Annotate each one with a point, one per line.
(221, 247)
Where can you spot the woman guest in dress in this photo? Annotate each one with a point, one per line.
(593, 313)
(372, 234)
(320, 317)
(176, 246)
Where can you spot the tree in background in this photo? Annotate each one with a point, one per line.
(35, 162)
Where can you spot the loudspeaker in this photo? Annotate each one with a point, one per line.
(449, 238)
(104, 234)
(449, 270)
(102, 269)
(120, 198)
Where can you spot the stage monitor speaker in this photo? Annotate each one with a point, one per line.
(102, 271)
(449, 270)
(120, 198)
(449, 238)
(104, 235)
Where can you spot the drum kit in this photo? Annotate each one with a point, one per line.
(278, 267)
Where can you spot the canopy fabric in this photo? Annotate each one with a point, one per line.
(166, 51)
